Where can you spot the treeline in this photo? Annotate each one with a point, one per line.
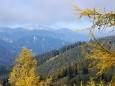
(47, 56)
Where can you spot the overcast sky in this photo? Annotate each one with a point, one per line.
(50, 13)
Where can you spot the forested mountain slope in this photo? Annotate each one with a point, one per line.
(42, 58)
(71, 67)
(72, 55)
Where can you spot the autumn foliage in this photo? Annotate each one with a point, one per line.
(100, 51)
(23, 73)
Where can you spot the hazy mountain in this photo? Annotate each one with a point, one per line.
(39, 40)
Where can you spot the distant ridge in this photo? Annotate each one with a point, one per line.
(38, 39)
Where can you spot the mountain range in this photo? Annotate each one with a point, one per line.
(39, 41)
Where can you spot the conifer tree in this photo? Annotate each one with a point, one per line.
(101, 52)
(23, 73)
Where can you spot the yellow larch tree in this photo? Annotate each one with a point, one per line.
(23, 73)
(100, 51)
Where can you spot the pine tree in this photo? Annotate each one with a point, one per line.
(23, 73)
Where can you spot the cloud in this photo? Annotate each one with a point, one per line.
(108, 5)
(14, 12)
